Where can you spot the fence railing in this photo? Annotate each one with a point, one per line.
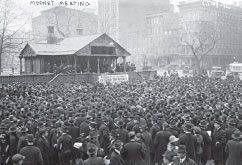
(69, 78)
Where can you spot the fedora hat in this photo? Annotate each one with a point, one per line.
(24, 130)
(203, 123)
(236, 135)
(188, 126)
(120, 123)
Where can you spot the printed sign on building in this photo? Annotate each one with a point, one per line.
(113, 78)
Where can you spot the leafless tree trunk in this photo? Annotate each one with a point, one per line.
(201, 41)
(9, 15)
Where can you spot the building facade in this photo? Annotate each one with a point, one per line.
(163, 37)
(124, 20)
(62, 22)
(226, 21)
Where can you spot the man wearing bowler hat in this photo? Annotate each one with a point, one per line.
(189, 140)
(234, 149)
(13, 140)
(218, 142)
(22, 139)
(133, 152)
(32, 154)
(123, 132)
(64, 147)
(207, 139)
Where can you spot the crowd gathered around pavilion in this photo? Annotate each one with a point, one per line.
(170, 120)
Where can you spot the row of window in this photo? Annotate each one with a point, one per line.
(160, 30)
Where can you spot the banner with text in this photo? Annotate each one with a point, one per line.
(113, 78)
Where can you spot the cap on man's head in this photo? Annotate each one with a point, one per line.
(17, 157)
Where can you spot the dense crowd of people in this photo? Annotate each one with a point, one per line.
(168, 120)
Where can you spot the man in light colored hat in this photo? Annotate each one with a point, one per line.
(234, 149)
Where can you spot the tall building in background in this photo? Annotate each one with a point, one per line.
(124, 20)
(163, 35)
(62, 22)
(227, 22)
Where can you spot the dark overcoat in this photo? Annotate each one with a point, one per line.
(44, 147)
(189, 140)
(32, 155)
(13, 144)
(64, 144)
(218, 150)
(123, 135)
(94, 161)
(133, 153)
(74, 132)
(234, 151)
(207, 146)
(160, 144)
(116, 159)
(104, 138)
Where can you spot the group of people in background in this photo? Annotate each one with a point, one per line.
(170, 120)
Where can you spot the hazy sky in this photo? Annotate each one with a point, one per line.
(34, 10)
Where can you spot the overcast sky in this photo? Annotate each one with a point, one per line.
(34, 10)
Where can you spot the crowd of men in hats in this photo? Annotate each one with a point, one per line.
(168, 120)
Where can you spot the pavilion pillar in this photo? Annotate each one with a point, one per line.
(124, 62)
(98, 67)
(88, 65)
(75, 63)
(21, 70)
(68, 60)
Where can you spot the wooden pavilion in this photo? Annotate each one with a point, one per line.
(87, 54)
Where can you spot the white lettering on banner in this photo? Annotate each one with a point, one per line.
(113, 78)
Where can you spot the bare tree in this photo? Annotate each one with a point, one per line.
(10, 27)
(201, 40)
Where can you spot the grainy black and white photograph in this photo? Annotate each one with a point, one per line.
(120, 82)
